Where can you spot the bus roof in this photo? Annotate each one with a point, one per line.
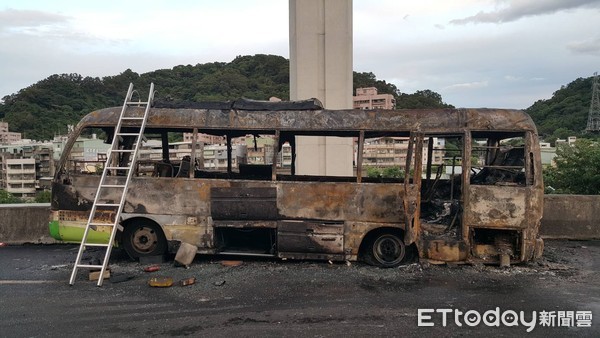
(325, 121)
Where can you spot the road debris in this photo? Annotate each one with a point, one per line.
(219, 283)
(231, 263)
(94, 275)
(186, 254)
(187, 281)
(55, 267)
(160, 282)
(152, 268)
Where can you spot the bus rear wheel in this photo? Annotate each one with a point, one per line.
(386, 250)
(143, 238)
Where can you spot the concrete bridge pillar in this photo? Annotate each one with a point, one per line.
(321, 67)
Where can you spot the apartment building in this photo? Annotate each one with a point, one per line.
(204, 138)
(42, 156)
(7, 137)
(87, 154)
(20, 177)
(392, 151)
(368, 98)
(215, 156)
(260, 151)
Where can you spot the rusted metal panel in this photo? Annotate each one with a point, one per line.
(368, 202)
(412, 198)
(244, 203)
(341, 201)
(447, 250)
(497, 206)
(245, 224)
(310, 237)
(175, 196)
(431, 120)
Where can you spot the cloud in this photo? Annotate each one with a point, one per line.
(16, 19)
(587, 46)
(512, 78)
(46, 26)
(467, 85)
(517, 9)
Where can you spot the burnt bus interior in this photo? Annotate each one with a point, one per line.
(495, 158)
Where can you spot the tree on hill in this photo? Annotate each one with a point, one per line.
(420, 99)
(368, 79)
(566, 113)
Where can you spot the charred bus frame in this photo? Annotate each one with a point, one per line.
(482, 203)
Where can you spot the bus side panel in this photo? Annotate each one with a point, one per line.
(497, 206)
(341, 201)
(180, 206)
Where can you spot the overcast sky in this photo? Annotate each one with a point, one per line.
(475, 53)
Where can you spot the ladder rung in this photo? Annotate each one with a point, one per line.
(128, 134)
(122, 151)
(107, 205)
(91, 266)
(136, 103)
(112, 186)
(97, 244)
(102, 224)
(118, 168)
(131, 118)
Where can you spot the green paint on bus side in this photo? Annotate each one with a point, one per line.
(74, 234)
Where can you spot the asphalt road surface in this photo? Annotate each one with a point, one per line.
(300, 299)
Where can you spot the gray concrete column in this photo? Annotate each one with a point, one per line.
(321, 67)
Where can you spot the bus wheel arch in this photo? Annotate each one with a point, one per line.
(385, 248)
(143, 237)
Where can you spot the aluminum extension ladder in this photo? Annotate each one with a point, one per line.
(134, 127)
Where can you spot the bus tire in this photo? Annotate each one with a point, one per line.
(143, 237)
(385, 250)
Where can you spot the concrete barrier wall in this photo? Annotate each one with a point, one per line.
(565, 216)
(25, 223)
(571, 217)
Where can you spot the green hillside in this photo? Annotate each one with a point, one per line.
(566, 113)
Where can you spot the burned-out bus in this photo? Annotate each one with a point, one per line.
(469, 187)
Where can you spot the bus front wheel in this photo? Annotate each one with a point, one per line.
(143, 238)
(386, 250)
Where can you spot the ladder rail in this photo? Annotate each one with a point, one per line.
(114, 149)
(133, 160)
(97, 196)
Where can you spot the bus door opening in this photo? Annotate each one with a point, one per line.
(441, 189)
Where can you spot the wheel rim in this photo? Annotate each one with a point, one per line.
(388, 250)
(144, 240)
